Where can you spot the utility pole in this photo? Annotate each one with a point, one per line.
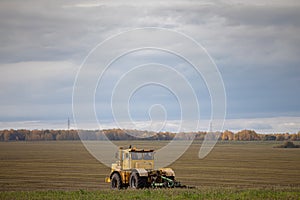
(210, 127)
(68, 123)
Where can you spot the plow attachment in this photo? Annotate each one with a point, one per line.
(168, 183)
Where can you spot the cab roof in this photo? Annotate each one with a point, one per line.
(133, 149)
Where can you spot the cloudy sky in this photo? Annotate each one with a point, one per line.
(255, 45)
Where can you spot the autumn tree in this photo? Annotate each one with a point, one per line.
(268, 137)
(246, 135)
(227, 135)
(279, 137)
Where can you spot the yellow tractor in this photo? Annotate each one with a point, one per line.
(135, 169)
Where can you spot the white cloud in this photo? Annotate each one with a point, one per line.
(260, 125)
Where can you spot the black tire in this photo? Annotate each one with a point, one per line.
(137, 182)
(116, 182)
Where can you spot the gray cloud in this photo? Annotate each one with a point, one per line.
(256, 46)
(36, 90)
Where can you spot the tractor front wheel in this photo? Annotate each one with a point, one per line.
(137, 182)
(116, 182)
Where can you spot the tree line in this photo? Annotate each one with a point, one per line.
(119, 134)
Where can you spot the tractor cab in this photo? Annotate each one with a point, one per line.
(134, 158)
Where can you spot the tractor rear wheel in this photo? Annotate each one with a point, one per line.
(116, 182)
(137, 182)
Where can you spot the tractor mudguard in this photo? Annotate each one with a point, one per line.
(168, 172)
(141, 172)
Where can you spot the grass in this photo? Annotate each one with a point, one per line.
(233, 170)
(175, 194)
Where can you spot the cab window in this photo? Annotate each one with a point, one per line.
(148, 156)
(136, 156)
(125, 156)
